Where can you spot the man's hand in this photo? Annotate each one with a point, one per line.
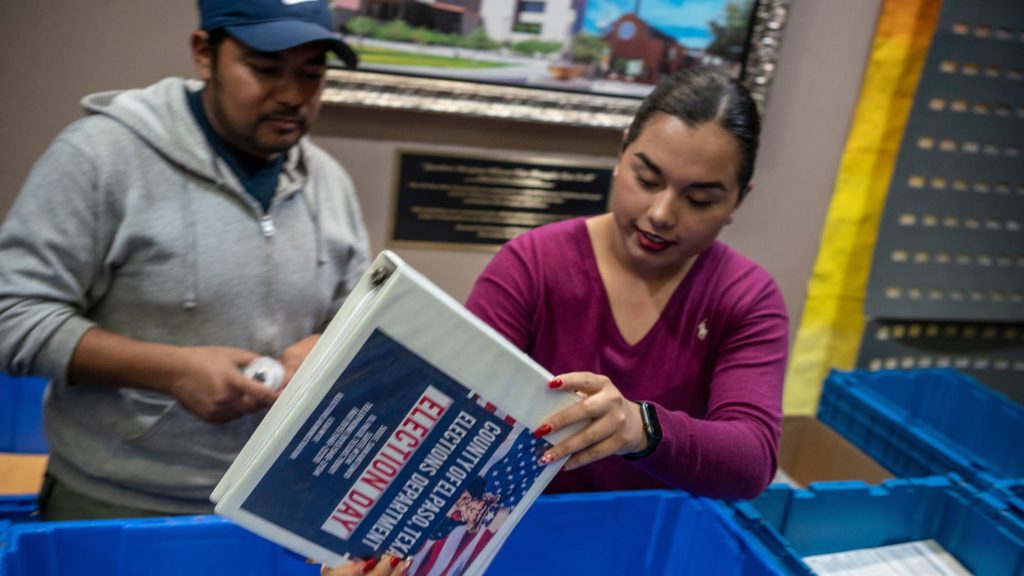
(210, 384)
(293, 356)
(206, 380)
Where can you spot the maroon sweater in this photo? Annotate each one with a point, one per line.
(712, 364)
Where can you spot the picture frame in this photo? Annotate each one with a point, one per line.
(404, 90)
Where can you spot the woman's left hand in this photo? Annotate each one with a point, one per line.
(616, 426)
(387, 566)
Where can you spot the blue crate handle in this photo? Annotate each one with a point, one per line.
(21, 415)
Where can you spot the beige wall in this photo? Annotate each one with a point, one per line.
(54, 52)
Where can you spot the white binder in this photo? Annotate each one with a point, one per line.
(360, 449)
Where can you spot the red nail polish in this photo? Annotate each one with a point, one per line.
(556, 383)
(395, 560)
(368, 565)
(544, 430)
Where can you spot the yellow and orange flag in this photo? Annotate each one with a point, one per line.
(833, 318)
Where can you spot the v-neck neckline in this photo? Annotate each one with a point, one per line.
(612, 326)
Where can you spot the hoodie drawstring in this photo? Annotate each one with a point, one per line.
(315, 217)
(191, 250)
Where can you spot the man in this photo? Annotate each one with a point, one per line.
(164, 242)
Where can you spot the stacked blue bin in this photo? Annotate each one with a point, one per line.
(922, 422)
(949, 438)
(1012, 493)
(653, 532)
(21, 415)
(609, 533)
(650, 533)
(842, 516)
(21, 432)
(936, 421)
(933, 425)
(197, 546)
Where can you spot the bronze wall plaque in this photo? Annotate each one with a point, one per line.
(459, 201)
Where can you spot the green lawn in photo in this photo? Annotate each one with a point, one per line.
(375, 55)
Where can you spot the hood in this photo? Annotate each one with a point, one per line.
(159, 114)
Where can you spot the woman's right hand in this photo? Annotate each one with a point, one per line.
(615, 424)
(388, 565)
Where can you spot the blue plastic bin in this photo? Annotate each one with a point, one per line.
(1011, 494)
(924, 422)
(192, 545)
(21, 415)
(18, 507)
(648, 533)
(843, 516)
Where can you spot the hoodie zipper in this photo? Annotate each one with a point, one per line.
(267, 226)
(269, 318)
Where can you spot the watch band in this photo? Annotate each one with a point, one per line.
(652, 428)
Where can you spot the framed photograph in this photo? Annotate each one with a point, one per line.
(573, 62)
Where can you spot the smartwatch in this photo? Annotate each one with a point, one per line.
(652, 429)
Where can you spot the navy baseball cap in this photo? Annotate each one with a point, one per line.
(275, 25)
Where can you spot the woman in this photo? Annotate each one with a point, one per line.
(644, 305)
(676, 342)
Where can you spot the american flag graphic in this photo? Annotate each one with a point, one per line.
(508, 474)
(512, 475)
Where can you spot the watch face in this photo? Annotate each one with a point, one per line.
(651, 423)
(652, 429)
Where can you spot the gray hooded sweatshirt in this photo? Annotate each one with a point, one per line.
(132, 223)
